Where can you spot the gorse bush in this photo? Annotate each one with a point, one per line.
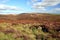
(16, 31)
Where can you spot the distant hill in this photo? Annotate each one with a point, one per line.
(30, 18)
(46, 25)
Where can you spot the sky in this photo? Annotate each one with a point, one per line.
(28, 6)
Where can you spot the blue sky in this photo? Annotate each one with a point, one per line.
(25, 6)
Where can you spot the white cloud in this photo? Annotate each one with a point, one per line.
(7, 7)
(4, 9)
(50, 2)
(37, 7)
(44, 3)
(55, 10)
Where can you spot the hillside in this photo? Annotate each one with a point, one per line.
(33, 17)
(30, 26)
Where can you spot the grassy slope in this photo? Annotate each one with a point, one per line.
(18, 31)
(33, 17)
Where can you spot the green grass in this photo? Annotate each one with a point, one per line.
(22, 32)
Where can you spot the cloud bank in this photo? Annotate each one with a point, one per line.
(43, 4)
(7, 7)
